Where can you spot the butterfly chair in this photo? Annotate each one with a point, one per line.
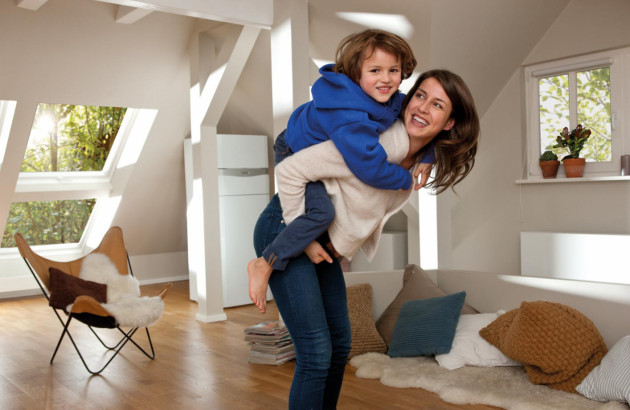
(86, 309)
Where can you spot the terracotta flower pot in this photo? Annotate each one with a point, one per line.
(574, 167)
(549, 168)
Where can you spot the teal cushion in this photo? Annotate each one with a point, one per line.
(426, 327)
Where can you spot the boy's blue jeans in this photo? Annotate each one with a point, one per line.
(312, 301)
(319, 214)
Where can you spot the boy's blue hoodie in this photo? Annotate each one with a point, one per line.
(343, 112)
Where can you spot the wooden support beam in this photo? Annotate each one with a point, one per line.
(290, 61)
(222, 81)
(129, 15)
(218, 57)
(257, 13)
(30, 4)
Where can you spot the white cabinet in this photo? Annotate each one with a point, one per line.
(243, 193)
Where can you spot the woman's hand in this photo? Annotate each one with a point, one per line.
(425, 170)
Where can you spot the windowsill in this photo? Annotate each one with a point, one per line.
(559, 180)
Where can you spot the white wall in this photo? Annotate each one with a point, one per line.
(72, 51)
(475, 225)
(480, 228)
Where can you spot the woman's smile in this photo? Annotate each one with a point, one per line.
(428, 111)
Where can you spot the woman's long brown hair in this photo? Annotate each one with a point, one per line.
(456, 148)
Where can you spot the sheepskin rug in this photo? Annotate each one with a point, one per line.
(123, 293)
(505, 387)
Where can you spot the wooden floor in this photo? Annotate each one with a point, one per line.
(197, 366)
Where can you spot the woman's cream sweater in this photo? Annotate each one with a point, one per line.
(360, 210)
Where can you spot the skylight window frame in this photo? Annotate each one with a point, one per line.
(81, 180)
(104, 186)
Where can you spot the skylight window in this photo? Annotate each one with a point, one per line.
(48, 222)
(68, 148)
(71, 138)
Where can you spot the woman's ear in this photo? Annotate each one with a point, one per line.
(449, 124)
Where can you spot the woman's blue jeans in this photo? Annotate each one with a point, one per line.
(312, 301)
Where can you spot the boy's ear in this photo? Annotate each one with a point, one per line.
(449, 124)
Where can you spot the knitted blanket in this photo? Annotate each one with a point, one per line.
(557, 344)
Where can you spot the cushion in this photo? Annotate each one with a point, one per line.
(416, 285)
(365, 337)
(557, 344)
(426, 326)
(65, 288)
(611, 379)
(470, 349)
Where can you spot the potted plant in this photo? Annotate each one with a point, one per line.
(574, 142)
(549, 164)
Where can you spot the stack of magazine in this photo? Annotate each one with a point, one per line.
(269, 343)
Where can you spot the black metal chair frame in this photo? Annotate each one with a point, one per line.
(89, 320)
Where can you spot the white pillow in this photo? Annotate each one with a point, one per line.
(471, 349)
(610, 380)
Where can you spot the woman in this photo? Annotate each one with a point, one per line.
(312, 297)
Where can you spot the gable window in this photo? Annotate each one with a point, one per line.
(578, 97)
(587, 90)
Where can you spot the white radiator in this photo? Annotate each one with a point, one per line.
(591, 257)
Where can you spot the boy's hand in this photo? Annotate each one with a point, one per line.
(425, 170)
(316, 253)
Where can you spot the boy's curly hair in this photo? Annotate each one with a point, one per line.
(358, 46)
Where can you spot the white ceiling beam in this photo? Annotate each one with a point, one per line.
(30, 4)
(257, 13)
(290, 62)
(221, 83)
(20, 128)
(129, 15)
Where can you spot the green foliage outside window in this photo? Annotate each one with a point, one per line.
(593, 109)
(593, 90)
(64, 138)
(47, 222)
(71, 137)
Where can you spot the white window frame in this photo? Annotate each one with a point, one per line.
(619, 62)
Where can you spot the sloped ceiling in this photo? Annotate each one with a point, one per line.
(485, 41)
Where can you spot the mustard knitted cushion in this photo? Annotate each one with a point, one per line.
(365, 337)
(557, 344)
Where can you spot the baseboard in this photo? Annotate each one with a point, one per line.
(166, 279)
(20, 293)
(211, 318)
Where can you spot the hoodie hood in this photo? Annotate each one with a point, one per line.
(338, 91)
